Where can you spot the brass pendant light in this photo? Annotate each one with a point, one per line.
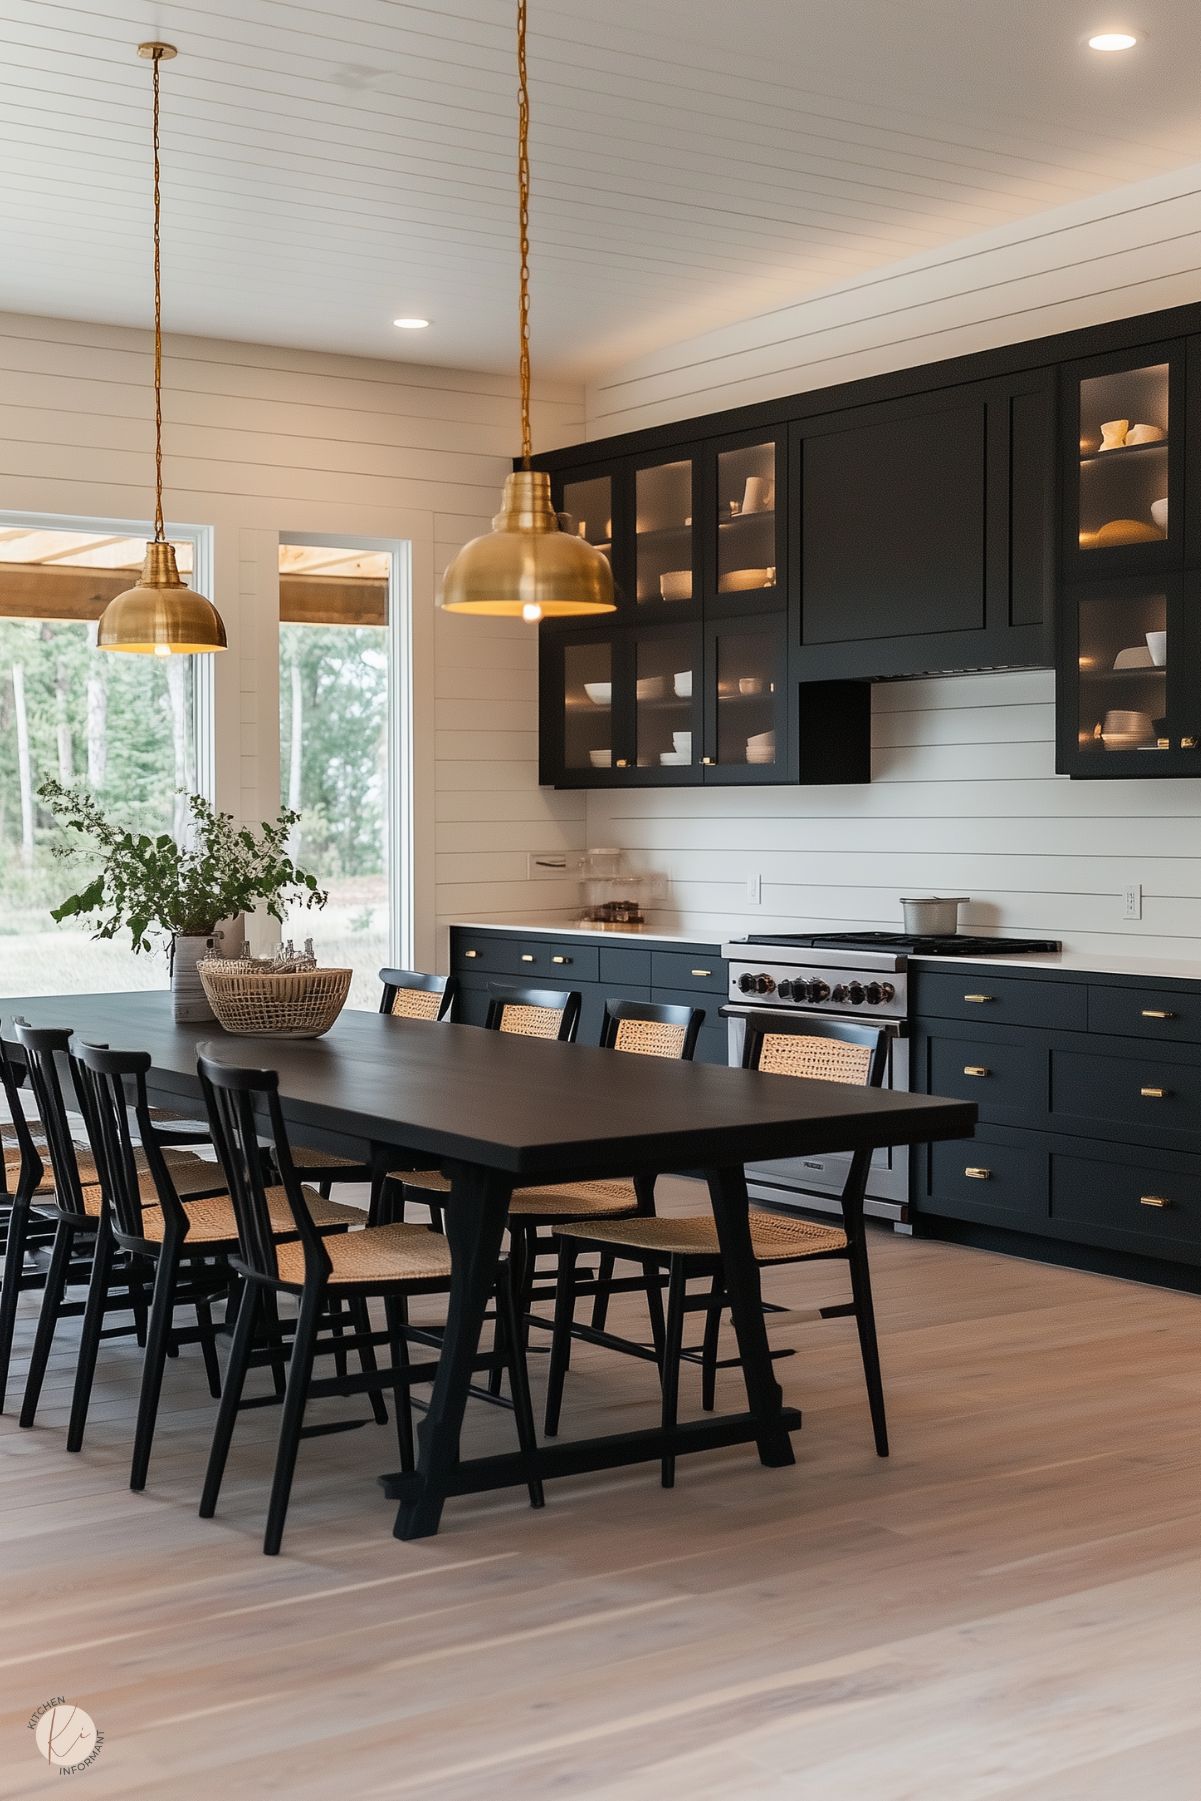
(527, 566)
(161, 616)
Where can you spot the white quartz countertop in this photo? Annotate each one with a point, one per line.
(603, 934)
(1126, 963)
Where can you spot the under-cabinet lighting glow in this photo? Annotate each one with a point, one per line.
(411, 324)
(1113, 40)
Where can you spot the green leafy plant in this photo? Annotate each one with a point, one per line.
(146, 884)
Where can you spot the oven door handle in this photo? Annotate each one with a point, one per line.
(896, 1028)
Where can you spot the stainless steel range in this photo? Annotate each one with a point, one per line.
(850, 975)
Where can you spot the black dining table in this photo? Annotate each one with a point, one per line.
(499, 1111)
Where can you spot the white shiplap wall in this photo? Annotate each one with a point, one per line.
(263, 442)
(964, 799)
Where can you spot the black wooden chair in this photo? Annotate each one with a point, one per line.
(687, 1247)
(405, 994)
(75, 1205)
(390, 1263)
(24, 1176)
(185, 1238)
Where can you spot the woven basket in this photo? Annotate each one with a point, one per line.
(273, 1006)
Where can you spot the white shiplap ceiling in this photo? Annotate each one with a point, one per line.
(329, 166)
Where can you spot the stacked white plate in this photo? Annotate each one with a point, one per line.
(761, 748)
(1124, 730)
(682, 683)
(599, 693)
(601, 759)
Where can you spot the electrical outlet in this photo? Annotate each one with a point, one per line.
(546, 867)
(754, 889)
(1132, 900)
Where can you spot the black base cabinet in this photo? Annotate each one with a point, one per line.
(486, 959)
(1089, 1090)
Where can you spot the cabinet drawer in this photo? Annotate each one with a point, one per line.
(527, 958)
(990, 1179)
(1156, 1100)
(1128, 1205)
(996, 999)
(1007, 1078)
(702, 971)
(622, 966)
(1171, 1016)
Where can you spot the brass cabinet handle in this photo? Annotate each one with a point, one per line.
(1188, 744)
(976, 1069)
(1156, 1013)
(1153, 1094)
(708, 762)
(978, 1175)
(471, 953)
(1153, 1200)
(979, 998)
(560, 959)
(622, 763)
(702, 972)
(527, 957)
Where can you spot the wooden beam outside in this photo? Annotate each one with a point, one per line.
(63, 591)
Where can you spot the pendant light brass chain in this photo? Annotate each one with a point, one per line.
(523, 202)
(158, 328)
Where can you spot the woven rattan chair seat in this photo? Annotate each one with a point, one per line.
(211, 1220)
(306, 1158)
(774, 1239)
(574, 1200)
(431, 1180)
(12, 1175)
(378, 1254)
(191, 1175)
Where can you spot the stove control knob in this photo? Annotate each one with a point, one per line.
(785, 991)
(855, 994)
(747, 984)
(875, 994)
(839, 994)
(764, 985)
(817, 991)
(887, 991)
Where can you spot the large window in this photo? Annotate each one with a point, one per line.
(338, 757)
(129, 729)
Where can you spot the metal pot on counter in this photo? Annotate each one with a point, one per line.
(933, 915)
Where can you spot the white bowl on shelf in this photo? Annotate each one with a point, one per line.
(676, 584)
(601, 759)
(1159, 512)
(599, 693)
(682, 683)
(682, 743)
(1157, 648)
(1137, 657)
(762, 741)
(671, 757)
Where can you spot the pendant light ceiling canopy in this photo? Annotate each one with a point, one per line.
(527, 566)
(160, 616)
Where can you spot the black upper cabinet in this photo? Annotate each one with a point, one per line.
(922, 531)
(1124, 464)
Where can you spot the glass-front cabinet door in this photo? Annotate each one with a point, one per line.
(588, 504)
(666, 574)
(745, 711)
(1123, 488)
(744, 522)
(581, 729)
(1130, 678)
(668, 689)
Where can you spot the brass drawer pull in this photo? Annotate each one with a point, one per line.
(1156, 1013)
(471, 953)
(976, 1069)
(708, 762)
(979, 999)
(1153, 1200)
(527, 957)
(979, 1175)
(702, 972)
(622, 763)
(560, 959)
(1153, 1094)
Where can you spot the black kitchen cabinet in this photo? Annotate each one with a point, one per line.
(1088, 1089)
(671, 972)
(1129, 678)
(923, 532)
(1123, 436)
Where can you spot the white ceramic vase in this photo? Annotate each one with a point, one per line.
(188, 999)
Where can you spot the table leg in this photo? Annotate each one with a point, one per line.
(476, 1209)
(727, 1191)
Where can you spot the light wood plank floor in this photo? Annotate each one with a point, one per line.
(1009, 1607)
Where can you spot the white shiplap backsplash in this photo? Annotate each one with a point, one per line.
(963, 800)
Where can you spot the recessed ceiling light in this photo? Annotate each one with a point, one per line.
(411, 324)
(1113, 40)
